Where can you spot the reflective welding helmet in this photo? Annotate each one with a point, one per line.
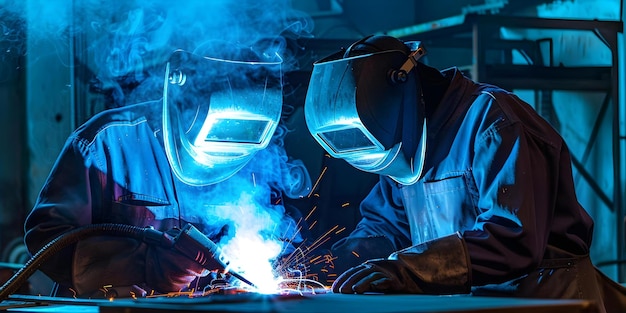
(364, 105)
(218, 113)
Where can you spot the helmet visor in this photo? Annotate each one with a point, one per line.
(351, 139)
(218, 113)
(356, 113)
(350, 107)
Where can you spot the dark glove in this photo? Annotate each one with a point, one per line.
(167, 270)
(440, 266)
(177, 257)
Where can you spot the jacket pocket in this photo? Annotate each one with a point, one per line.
(451, 202)
(140, 210)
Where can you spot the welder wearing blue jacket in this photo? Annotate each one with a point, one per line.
(475, 193)
(186, 158)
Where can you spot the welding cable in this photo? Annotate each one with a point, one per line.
(148, 235)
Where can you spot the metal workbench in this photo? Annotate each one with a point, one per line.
(301, 303)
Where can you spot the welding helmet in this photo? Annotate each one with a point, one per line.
(217, 113)
(364, 105)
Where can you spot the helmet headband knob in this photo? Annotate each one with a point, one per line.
(400, 75)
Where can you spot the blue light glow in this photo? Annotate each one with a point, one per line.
(126, 44)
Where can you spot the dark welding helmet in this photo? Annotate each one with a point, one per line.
(218, 113)
(364, 105)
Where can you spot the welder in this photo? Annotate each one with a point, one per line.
(165, 164)
(475, 193)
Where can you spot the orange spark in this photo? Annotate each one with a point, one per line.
(310, 212)
(329, 258)
(345, 204)
(315, 258)
(356, 254)
(321, 239)
(340, 230)
(318, 180)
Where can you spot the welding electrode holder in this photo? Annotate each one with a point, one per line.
(193, 244)
(189, 241)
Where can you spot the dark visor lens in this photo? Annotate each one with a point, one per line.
(347, 140)
(236, 130)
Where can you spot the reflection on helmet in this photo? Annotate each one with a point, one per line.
(356, 107)
(218, 113)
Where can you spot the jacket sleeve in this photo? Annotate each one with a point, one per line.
(380, 216)
(68, 199)
(382, 230)
(518, 172)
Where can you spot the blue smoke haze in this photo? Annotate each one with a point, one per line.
(128, 41)
(125, 44)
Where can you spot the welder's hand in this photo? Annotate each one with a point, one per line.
(380, 275)
(167, 270)
(440, 266)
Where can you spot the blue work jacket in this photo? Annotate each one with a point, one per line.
(501, 176)
(113, 169)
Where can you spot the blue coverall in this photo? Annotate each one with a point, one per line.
(113, 169)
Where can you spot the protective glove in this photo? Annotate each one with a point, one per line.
(178, 256)
(440, 266)
(167, 270)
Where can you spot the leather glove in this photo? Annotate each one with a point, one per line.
(178, 256)
(167, 270)
(440, 266)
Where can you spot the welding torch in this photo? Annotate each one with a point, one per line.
(195, 245)
(189, 241)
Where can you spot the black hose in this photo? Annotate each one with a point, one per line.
(68, 238)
